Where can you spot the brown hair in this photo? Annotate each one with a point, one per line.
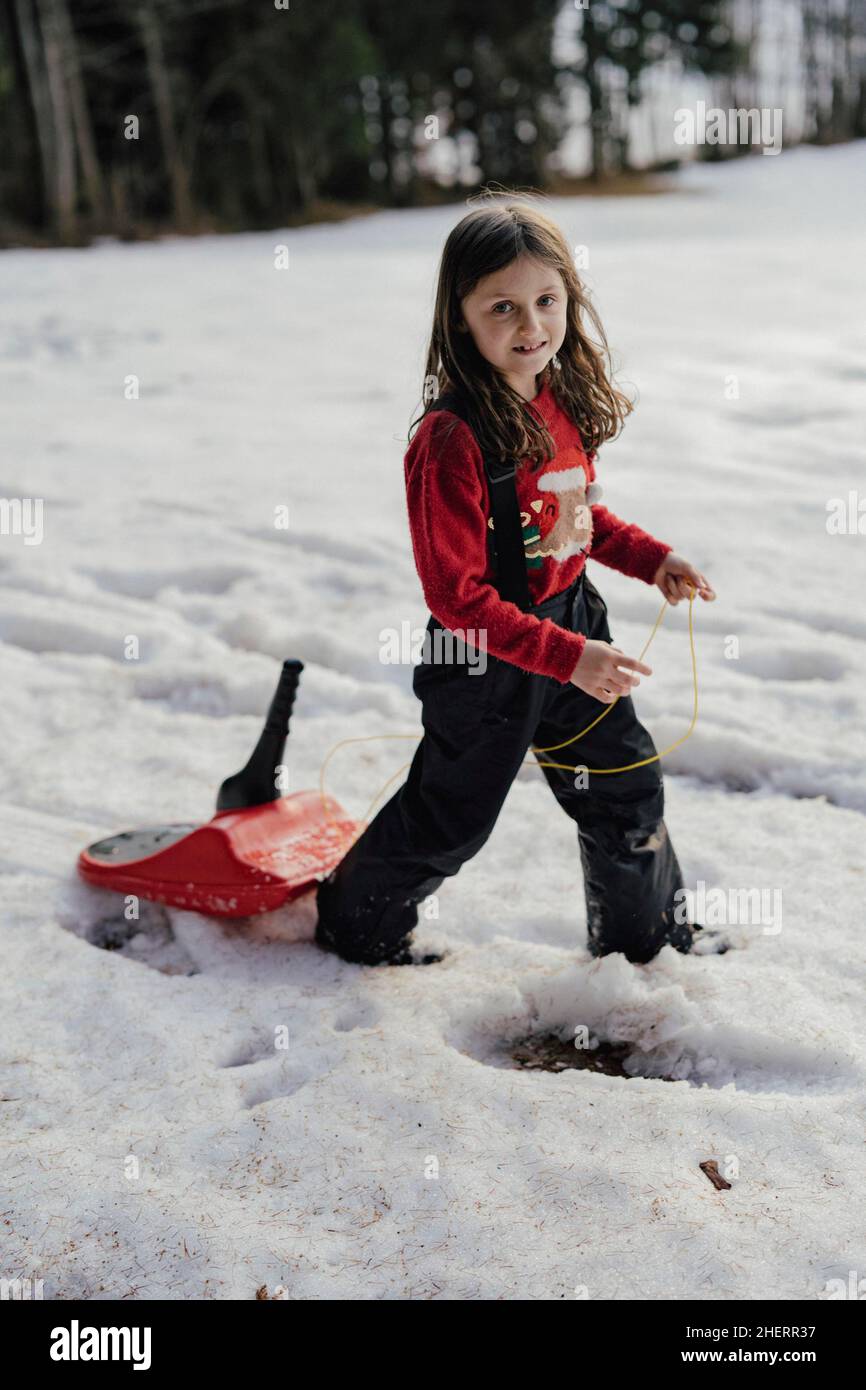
(485, 240)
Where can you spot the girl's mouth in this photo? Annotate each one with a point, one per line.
(527, 351)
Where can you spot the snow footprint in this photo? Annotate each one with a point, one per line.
(148, 939)
(643, 1027)
(361, 1013)
(268, 1071)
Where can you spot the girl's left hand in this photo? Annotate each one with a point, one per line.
(676, 578)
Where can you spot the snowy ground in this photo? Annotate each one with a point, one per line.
(155, 1142)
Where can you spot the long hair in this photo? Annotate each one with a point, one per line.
(487, 239)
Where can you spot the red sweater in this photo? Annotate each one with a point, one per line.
(446, 493)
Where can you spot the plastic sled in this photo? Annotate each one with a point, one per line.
(260, 850)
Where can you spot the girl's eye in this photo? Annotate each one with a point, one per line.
(506, 303)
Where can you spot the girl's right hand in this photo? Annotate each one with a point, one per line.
(598, 671)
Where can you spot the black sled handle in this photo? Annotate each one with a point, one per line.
(257, 783)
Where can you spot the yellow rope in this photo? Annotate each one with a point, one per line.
(601, 771)
(596, 771)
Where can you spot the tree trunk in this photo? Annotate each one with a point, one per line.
(858, 118)
(844, 76)
(65, 184)
(90, 168)
(598, 110)
(161, 88)
(37, 81)
(745, 81)
(121, 216)
(816, 38)
(305, 178)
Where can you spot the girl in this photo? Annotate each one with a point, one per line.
(501, 549)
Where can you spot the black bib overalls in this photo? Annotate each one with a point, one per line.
(478, 729)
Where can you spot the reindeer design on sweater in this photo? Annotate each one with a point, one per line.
(558, 523)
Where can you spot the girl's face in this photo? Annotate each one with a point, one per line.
(523, 306)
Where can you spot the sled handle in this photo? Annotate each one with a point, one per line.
(257, 783)
(280, 712)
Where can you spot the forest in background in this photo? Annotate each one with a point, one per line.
(130, 119)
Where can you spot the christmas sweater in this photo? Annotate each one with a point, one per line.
(446, 494)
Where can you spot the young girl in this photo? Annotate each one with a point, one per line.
(501, 553)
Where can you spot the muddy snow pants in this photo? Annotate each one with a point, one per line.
(478, 730)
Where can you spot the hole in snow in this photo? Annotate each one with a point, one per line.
(547, 1052)
(148, 938)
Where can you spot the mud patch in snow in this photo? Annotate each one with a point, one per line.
(547, 1052)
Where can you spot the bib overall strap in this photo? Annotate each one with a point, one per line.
(512, 581)
(507, 536)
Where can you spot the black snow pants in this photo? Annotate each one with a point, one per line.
(478, 729)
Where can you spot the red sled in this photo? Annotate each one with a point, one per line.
(260, 850)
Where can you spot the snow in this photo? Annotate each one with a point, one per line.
(212, 1107)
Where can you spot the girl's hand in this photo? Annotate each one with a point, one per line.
(676, 578)
(598, 671)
